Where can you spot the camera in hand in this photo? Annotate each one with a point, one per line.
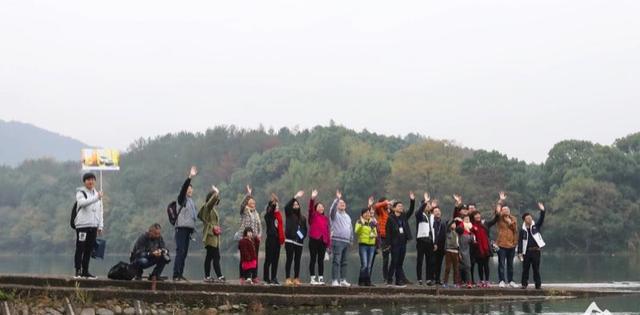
(164, 253)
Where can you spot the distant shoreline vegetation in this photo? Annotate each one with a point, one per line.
(592, 190)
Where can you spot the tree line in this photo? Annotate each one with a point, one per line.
(592, 190)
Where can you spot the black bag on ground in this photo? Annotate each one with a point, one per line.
(121, 271)
(74, 212)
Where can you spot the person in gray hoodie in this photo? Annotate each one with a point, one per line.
(185, 225)
(88, 223)
(341, 238)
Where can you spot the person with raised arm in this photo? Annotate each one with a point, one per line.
(275, 240)
(440, 234)
(367, 234)
(185, 225)
(341, 238)
(249, 217)
(507, 240)
(398, 234)
(88, 223)
(382, 210)
(319, 238)
(481, 249)
(530, 244)
(211, 232)
(425, 236)
(295, 233)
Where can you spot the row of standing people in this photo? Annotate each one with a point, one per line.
(382, 229)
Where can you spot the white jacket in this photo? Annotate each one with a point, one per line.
(89, 209)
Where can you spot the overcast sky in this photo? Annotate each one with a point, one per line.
(516, 76)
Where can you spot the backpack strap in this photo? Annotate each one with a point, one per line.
(85, 197)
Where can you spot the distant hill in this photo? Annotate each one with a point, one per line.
(20, 141)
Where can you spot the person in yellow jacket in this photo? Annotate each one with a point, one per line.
(366, 233)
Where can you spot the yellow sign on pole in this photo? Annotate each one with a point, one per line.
(100, 160)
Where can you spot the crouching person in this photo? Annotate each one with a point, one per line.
(148, 251)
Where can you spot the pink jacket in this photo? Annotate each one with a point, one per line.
(318, 225)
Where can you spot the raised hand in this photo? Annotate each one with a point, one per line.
(412, 196)
(274, 197)
(370, 201)
(503, 195)
(215, 189)
(338, 194)
(314, 194)
(457, 198)
(193, 172)
(299, 194)
(541, 206)
(426, 197)
(249, 190)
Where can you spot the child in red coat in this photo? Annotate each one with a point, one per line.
(248, 258)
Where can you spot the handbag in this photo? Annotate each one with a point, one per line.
(217, 230)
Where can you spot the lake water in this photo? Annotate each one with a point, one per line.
(579, 270)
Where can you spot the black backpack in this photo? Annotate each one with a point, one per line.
(173, 212)
(74, 212)
(121, 271)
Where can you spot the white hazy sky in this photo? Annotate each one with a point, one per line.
(516, 76)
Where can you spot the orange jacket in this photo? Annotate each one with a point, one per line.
(382, 215)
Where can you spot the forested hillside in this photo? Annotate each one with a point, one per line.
(592, 190)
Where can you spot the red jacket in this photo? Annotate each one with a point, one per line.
(280, 226)
(247, 250)
(483, 248)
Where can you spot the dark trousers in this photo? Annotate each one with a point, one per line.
(438, 258)
(144, 262)
(426, 255)
(249, 273)
(85, 240)
(531, 259)
(386, 251)
(317, 250)
(505, 259)
(213, 257)
(483, 268)
(294, 254)
(182, 236)
(398, 252)
(272, 256)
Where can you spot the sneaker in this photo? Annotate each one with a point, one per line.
(513, 284)
(78, 275)
(524, 287)
(275, 282)
(419, 282)
(321, 280)
(87, 275)
(502, 284)
(288, 282)
(344, 283)
(444, 285)
(208, 280)
(400, 285)
(430, 283)
(222, 279)
(539, 288)
(335, 283)
(255, 281)
(266, 282)
(439, 283)
(242, 281)
(314, 280)
(248, 281)
(389, 284)
(469, 285)
(297, 282)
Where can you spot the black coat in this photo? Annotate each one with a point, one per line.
(145, 245)
(393, 227)
(293, 223)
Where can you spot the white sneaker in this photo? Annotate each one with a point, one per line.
(344, 283)
(321, 280)
(314, 281)
(502, 284)
(513, 284)
(335, 283)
